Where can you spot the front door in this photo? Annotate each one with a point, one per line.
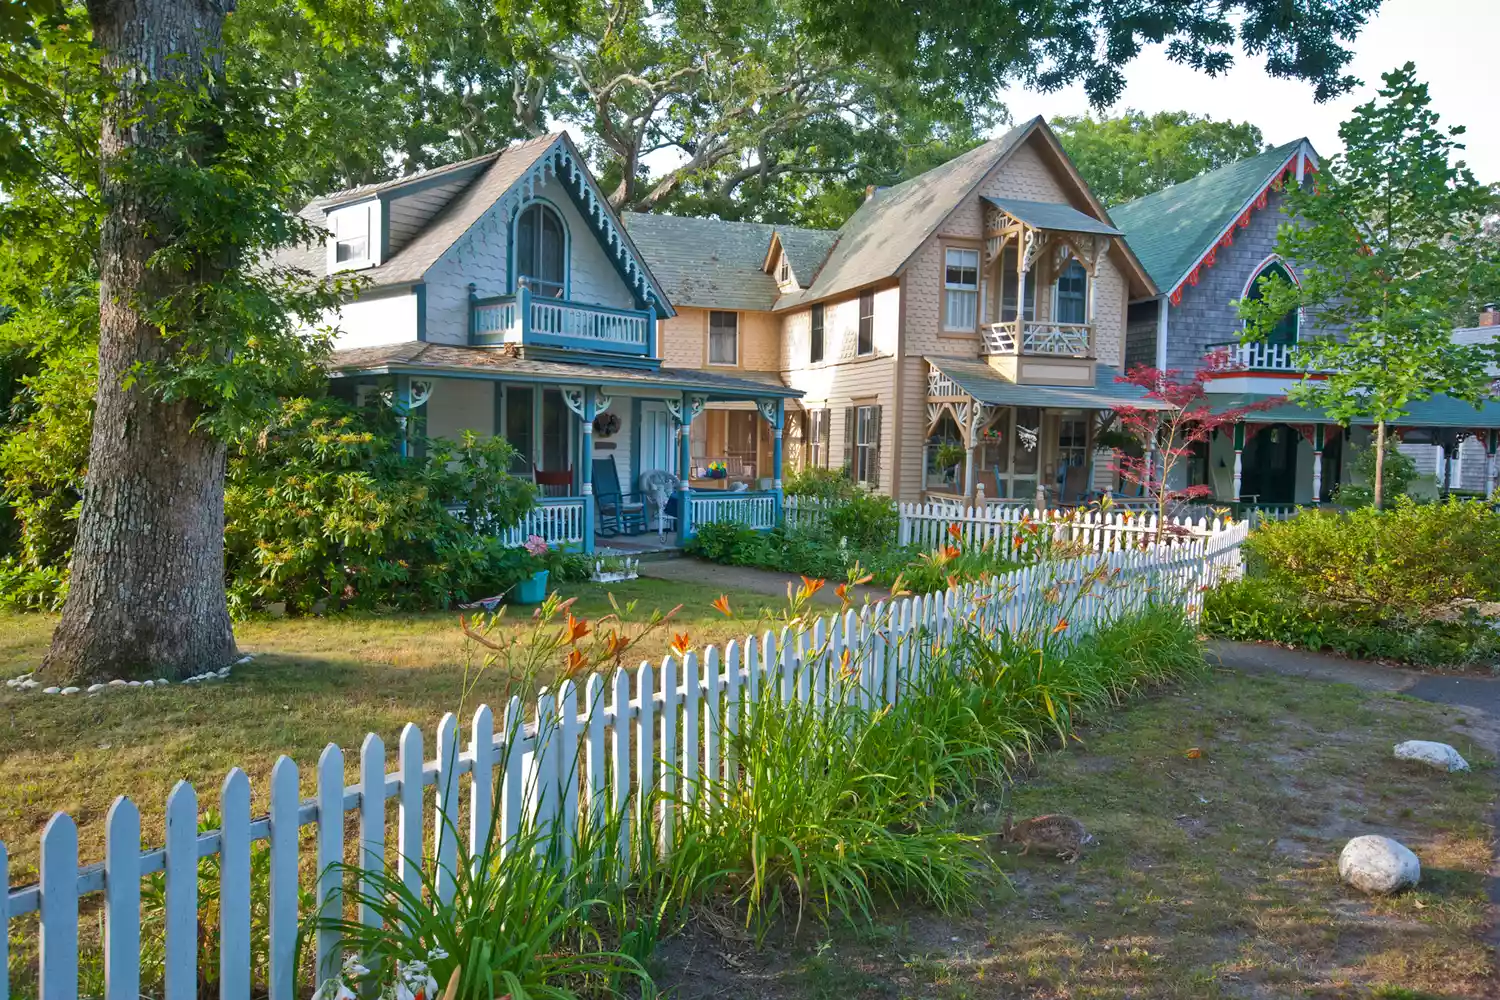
(657, 439)
(1270, 465)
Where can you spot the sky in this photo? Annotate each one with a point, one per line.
(1454, 43)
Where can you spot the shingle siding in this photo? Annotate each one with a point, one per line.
(1140, 334)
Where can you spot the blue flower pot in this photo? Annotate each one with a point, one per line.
(533, 591)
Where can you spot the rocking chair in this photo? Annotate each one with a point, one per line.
(619, 512)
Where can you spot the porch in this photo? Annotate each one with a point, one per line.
(616, 453)
(990, 439)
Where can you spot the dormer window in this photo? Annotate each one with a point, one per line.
(351, 237)
(783, 271)
(542, 250)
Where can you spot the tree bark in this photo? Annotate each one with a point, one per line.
(1379, 489)
(146, 593)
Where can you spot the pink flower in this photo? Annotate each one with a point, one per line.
(536, 545)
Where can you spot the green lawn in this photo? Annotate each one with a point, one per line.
(1213, 876)
(313, 681)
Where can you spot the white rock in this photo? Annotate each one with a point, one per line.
(148, 684)
(134, 684)
(96, 688)
(69, 690)
(30, 683)
(245, 659)
(224, 672)
(13, 682)
(1438, 755)
(117, 683)
(1379, 865)
(161, 682)
(51, 690)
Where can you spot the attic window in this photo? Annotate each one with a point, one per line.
(783, 271)
(351, 235)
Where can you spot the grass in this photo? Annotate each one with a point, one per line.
(314, 681)
(1212, 876)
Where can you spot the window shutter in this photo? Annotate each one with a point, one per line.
(851, 417)
(825, 429)
(874, 477)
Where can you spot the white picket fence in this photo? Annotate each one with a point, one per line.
(625, 747)
(930, 525)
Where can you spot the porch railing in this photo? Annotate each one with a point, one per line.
(752, 509)
(559, 520)
(527, 318)
(1044, 337)
(1258, 356)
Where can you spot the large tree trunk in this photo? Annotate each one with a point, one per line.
(146, 594)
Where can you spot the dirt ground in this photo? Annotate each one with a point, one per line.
(1214, 873)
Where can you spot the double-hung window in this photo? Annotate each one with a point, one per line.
(351, 235)
(815, 346)
(866, 441)
(723, 338)
(1072, 294)
(961, 289)
(866, 344)
(817, 438)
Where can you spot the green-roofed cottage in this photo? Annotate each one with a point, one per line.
(1205, 243)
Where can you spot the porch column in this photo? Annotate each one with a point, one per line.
(1489, 463)
(1450, 445)
(586, 467)
(776, 453)
(402, 405)
(1239, 464)
(1317, 495)
(685, 470)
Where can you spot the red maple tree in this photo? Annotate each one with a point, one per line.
(1167, 436)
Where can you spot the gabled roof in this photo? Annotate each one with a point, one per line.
(892, 224)
(716, 264)
(511, 172)
(1173, 229)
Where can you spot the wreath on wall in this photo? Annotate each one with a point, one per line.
(607, 424)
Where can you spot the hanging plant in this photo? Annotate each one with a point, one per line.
(607, 424)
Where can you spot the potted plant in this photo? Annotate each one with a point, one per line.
(533, 588)
(611, 566)
(717, 469)
(949, 457)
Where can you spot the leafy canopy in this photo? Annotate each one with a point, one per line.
(1391, 250)
(1137, 154)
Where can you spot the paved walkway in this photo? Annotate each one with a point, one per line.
(716, 578)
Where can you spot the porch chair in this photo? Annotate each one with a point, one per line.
(619, 512)
(656, 485)
(1074, 486)
(553, 484)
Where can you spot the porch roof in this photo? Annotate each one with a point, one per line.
(1439, 411)
(987, 386)
(1058, 217)
(499, 364)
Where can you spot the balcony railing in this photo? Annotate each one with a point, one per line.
(1258, 356)
(1043, 337)
(529, 318)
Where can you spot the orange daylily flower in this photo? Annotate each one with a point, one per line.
(1194, 753)
(899, 588)
(846, 669)
(843, 591)
(955, 531)
(576, 629)
(862, 579)
(811, 586)
(615, 644)
(576, 661)
(1060, 626)
(681, 643)
(951, 552)
(722, 606)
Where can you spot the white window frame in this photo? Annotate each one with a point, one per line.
(817, 322)
(817, 429)
(954, 290)
(1057, 291)
(342, 225)
(783, 270)
(864, 457)
(859, 320)
(710, 353)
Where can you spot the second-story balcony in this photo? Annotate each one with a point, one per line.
(533, 318)
(1040, 337)
(1259, 356)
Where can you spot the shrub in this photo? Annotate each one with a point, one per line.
(1408, 560)
(821, 484)
(731, 544)
(321, 507)
(1259, 609)
(1399, 471)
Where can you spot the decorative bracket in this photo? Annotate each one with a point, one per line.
(1035, 242)
(695, 406)
(767, 409)
(573, 399)
(601, 401)
(674, 407)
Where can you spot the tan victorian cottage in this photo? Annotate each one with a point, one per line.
(980, 305)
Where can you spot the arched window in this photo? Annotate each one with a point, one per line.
(1285, 330)
(1072, 294)
(542, 250)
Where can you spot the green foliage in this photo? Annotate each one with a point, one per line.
(1136, 154)
(1398, 470)
(1392, 251)
(1258, 610)
(821, 484)
(322, 508)
(1412, 559)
